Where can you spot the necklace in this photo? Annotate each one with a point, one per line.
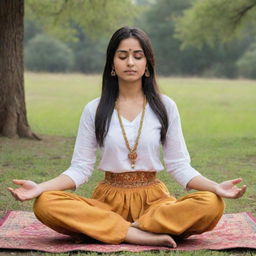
(132, 151)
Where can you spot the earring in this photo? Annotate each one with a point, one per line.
(113, 73)
(147, 74)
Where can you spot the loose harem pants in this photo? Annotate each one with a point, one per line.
(111, 210)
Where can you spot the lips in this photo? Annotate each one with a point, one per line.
(129, 71)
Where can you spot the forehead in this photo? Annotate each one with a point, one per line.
(129, 44)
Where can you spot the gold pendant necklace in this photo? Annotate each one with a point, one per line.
(132, 151)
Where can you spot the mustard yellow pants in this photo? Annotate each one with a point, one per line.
(111, 210)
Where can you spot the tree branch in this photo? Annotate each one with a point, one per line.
(34, 9)
(241, 13)
(62, 8)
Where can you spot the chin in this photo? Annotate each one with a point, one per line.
(130, 79)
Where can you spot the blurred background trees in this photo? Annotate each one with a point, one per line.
(50, 25)
(212, 38)
(44, 53)
(77, 30)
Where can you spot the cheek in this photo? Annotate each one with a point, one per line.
(143, 63)
(143, 67)
(118, 64)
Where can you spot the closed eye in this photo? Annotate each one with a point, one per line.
(137, 58)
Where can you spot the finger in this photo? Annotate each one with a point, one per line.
(19, 198)
(236, 181)
(18, 182)
(13, 192)
(244, 187)
(242, 191)
(14, 195)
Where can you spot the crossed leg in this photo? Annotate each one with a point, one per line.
(72, 214)
(194, 213)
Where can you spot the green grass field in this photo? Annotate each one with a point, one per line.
(218, 120)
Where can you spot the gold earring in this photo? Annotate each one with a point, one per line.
(147, 74)
(113, 73)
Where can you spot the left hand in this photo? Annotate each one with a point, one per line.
(228, 189)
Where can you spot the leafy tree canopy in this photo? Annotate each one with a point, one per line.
(213, 21)
(95, 17)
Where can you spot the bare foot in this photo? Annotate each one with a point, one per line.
(135, 224)
(137, 236)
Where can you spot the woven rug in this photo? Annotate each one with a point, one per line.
(21, 230)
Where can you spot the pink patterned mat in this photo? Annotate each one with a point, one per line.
(21, 230)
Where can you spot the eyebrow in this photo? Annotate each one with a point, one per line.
(135, 51)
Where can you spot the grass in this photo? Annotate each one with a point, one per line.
(218, 120)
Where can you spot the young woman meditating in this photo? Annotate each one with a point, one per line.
(129, 123)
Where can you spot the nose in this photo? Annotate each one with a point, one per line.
(130, 61)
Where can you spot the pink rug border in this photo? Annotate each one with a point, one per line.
(4, 218)
(251, 216)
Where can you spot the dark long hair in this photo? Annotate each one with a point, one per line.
(110, 87)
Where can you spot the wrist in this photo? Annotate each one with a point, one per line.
(215, 186)
(41, 187)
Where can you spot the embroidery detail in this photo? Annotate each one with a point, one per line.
(130, 179)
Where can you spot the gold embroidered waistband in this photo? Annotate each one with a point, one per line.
(130, 179)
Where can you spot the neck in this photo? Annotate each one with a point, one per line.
(130, 91)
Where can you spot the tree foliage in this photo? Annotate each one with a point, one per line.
(159, 19)
(247, 63)
(213, 21)
(44, 53)
(95, 17)
(83, 25)
(89, 53)
(159, 22)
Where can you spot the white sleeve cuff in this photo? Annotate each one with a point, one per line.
(77, 176)
(183, 174)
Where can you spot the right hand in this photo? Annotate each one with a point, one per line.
(27, 190)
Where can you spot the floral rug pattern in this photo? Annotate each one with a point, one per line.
(21, 230)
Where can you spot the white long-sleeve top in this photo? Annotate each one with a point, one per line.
(114, 154)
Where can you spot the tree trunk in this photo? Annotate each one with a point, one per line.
(13, 116)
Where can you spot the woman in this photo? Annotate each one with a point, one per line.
(129, 123)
